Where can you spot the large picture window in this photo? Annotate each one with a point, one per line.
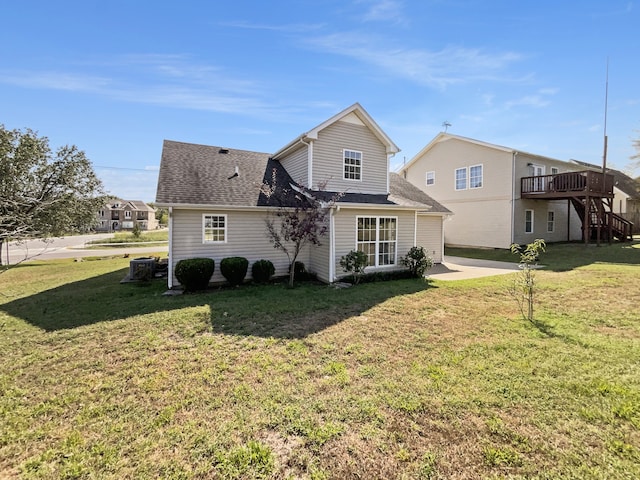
(377, 238)
(352, 165)
(214, 228)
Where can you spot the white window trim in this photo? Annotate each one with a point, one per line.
(226, 228)
(127, 214)
(344, 150)
(481, 176)
(377, 249)
(455, 179)
(551, 223)
(426, 178)
(555, 170)
(532, 221)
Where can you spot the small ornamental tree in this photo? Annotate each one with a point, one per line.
(524, 284)
(299, 219)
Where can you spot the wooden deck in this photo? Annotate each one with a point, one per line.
(591, 194)
(566, 185)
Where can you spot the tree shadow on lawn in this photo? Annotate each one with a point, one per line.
(257, 310)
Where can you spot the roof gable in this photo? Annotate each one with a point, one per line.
(353, 114)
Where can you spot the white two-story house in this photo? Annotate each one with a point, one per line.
(217, 207)
(500, 195)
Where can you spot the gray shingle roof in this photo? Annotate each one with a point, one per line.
(192, 174)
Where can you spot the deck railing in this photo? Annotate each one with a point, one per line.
(568, 182)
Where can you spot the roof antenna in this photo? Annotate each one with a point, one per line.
(606, 101)
(446, 125)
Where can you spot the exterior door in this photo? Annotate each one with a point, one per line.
(538, 183)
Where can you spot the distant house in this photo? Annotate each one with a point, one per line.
(119, 215)
(217, 209)
(500, 195)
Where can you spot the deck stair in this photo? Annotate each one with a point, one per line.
(590, 193)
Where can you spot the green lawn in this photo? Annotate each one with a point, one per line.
(384, 380)
(160, 236)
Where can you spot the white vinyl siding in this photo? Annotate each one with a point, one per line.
(430, 178)
(461, 178)
(429, 236)
(475, 176)
(528, 221)
(352, 164)
(246, 237)
(328, 160)
(297, 165)
(346, 230)
(214, 228)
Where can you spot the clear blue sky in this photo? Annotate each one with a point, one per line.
(116, 77)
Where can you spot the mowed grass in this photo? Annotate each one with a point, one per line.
(159, 236)
(384, 380)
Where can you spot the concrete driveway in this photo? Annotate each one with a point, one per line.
(459, 268)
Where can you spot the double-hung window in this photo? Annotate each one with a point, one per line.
(551, 221)
(461, 178)
(214, 228)
(377, 238)
(431, 178)
(352, 165)
(528, 221)
(475, 176)
(127, 214)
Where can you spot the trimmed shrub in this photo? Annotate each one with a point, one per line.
(262, 271)
(194, 273)
(234, 269)
(417, 261)
(354, 263)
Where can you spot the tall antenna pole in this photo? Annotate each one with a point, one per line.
(606, 101)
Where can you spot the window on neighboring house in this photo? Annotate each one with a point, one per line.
(431, 178)
(101, 212)
(461, 179)
(528, 221)
(377, 238)
(352, 165)
(127, 214)
(475, 176)
(214, 228)
(554, 170)
(551, 221)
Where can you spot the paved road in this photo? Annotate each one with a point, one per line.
(69, 247)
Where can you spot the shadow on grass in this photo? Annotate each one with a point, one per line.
(261, 310)
(562, 257)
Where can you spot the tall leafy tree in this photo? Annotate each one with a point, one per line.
(44, 193)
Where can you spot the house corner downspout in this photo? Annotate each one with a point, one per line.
(332, 247)
(170, 266)
(514, 154)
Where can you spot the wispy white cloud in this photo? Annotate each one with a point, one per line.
(538, 100)
(388, 11)
(451, 65)
(284, 28)
(166, 80)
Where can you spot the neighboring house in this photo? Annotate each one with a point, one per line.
(501, 196)
(217, 208)
(119, 215)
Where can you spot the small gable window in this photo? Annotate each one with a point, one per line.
(214, 228)
(431, 178)
(352, 165)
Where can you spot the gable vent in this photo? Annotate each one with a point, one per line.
(223, 151)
